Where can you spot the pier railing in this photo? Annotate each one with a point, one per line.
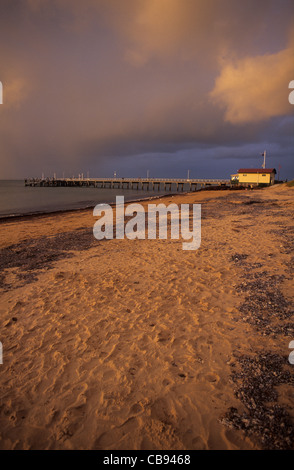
(129, 183)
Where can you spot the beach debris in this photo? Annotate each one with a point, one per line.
(256, 379)
(238, 258)
(30, 257)
(265, 306)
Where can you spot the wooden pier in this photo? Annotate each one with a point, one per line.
(147, 184)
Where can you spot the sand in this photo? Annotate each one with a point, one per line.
(137, 344)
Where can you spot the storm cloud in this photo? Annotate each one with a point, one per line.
(164, 85)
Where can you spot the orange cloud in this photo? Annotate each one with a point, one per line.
(166, 29)
(15, 91)
(253, 89)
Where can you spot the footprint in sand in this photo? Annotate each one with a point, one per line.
(136, 409)
(163, 336)
(114, 438)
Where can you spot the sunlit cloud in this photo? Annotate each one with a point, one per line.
(16, 91)
(255, 88)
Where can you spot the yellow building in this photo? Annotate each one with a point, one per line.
(254, 176)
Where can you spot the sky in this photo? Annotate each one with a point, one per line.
(137, 86)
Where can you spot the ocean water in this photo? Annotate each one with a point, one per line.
(18, 199)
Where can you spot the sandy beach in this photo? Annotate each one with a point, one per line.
(138, 344)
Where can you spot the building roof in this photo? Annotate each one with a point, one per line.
(257, 170)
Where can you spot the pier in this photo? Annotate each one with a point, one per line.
(147, 184)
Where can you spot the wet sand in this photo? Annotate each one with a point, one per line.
(137, 344)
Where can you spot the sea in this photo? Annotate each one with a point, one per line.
(16, 199)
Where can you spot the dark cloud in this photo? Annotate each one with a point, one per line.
(95, 85)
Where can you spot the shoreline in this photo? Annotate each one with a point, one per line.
(12, 217)
(137, 344)
(6, 218)
(56, 222)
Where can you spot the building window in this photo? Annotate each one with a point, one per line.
(244, 175)
(263, 175)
